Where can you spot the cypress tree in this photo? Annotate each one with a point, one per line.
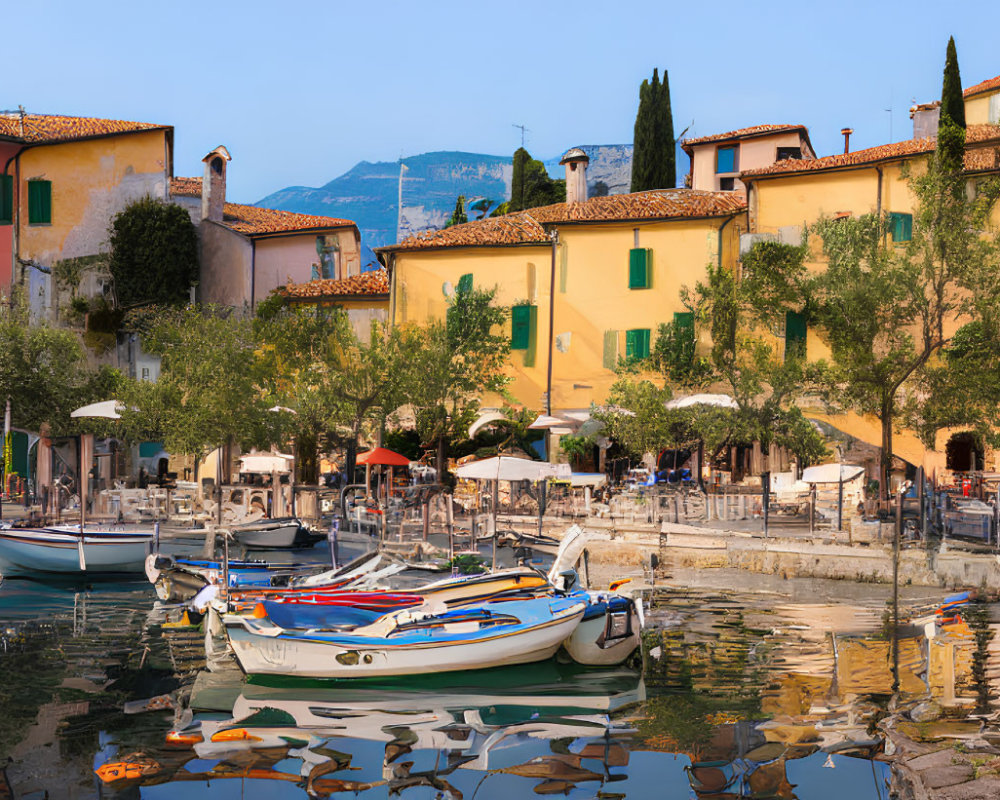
(653, 158)
(667, 147)
(458, 216)
(521, 159)
(952, 102)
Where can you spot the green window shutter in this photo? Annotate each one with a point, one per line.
(465, 283)
(637, 344)
(795, 335)
(639, 261)
(684, 324)
(901, 227)
(520, 327)
(6, 199)
(39, 202)
(610, 349)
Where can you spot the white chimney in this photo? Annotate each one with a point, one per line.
(213, 184)
(576, 175)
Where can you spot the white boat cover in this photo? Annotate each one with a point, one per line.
(508, 468)
(720, 400)
(831, 473)
(107, 409)
(266, 463)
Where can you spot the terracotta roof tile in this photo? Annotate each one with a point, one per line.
(976, 135)
(256, 221)
(372, 283)
(527, 227)
(984, 86)
(186, 187)
(744, 133)
(42, 128)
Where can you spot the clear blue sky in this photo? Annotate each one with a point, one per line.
(301, 91)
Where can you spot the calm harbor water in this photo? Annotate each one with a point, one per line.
(738, 695)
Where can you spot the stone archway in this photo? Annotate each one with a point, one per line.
(964, 452)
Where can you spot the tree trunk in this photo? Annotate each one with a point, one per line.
(885, 456)
(351, 460)
(306, 460)
(441, 461)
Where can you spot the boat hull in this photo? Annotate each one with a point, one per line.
(25, 551)
(275, 535)
(608, 638)
(260, 652)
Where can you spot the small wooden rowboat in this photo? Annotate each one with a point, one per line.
(409, 641)
(69, 550)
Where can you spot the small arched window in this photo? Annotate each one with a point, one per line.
(216, 164)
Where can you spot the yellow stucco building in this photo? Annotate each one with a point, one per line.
(588, 281)
(785, 198)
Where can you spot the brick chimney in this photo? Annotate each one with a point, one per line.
(213, 185)
(576, 175)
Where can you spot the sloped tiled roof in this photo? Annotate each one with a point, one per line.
(527, 227)
(744, 133)
(44, 128)
(983, 86)
(370, 284)
(256, 221)
(977, 135)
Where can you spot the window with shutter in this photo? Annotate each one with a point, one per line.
(520, 327)
(639, 262)
(684, 324)
(465, 283)
(725, 159)
(6, 199)
(637, 344)
(795, 335)
(39, 202)
(901, 226)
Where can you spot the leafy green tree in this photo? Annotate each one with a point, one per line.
(460, 359)
(653, 144)
(531, 185)
(210, 392)
(154, 253)
(44, 372)
(889, 313)
(952, 100)
(458, 216)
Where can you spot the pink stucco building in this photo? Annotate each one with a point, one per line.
(717, 160)
(247, 251)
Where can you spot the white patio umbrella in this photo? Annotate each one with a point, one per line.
(106, 409)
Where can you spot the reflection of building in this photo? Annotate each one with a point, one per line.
(247, 251)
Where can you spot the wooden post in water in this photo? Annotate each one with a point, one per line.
(812, 508)
(449, 514)
(840, 499)
(897, 530)
(921, 497)
(426, 513)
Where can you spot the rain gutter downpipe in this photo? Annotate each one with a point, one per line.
(554, 237)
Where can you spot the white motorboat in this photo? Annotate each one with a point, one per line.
(410, 641)
(69, 550)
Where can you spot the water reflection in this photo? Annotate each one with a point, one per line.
(736, 695)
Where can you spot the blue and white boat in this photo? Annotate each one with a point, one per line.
(72, 550)
(410, 641)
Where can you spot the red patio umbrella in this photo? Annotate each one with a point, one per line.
(381, 456)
